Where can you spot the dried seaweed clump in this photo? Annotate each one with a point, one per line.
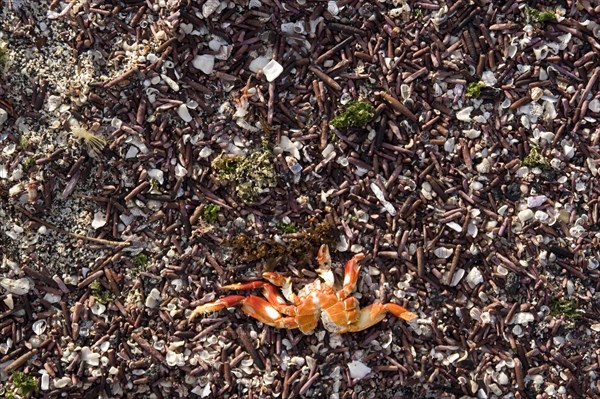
(535, 159)
(252, 174)
(356, 114)
(297, 251)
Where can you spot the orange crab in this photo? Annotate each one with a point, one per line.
(339, 312)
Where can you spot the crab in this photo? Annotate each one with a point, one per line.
(338, 310)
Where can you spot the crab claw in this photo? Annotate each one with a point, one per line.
(219, 304)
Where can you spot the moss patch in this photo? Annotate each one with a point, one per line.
(356, 114)
(538, 16)
(24, 384)
(210, 213)
(100, 293)
(565, 307)
(474, 89)
(535, 159)
(251, 174)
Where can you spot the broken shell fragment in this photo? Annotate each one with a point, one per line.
(272, 70)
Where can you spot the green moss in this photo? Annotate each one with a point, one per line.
(140, 261)
(538, 16)
(356, 114)
(418, 13)
(251, 174)
(535, 159)
(24, 384)
(210, 213)
(154, 185)
(565, 307)
(287, 228)
(474, 89)
(28, 163)
(101, 294)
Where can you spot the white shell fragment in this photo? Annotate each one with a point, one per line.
(272, 70)
(91, 358)
(522, 318)
(380, 196)
(257, 64)
(3, 116)
(443, 252)
(525, 215)
(358, 369)
(153, 298)
(474, 278)
(99, 220)
(39, 327)
(204, 63)
(183, 113)
(17, 287)
(536, 200)
(464, 114)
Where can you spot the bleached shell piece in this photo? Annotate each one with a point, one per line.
(472, 133)
(205, 152)
(536, 93)
(381, 197)
(289, 146)
(474, 278)
(454, 226)
(91, 358)
(464, 114)
(484, 166)
(443, 252)
(17, 287)
(593, 106)
(3, 172)
(99, 220)
(10, 302)
(184, 113)
(257, 64)
(153, 298)
(39, 327)
(522, 318)
(98, 308)
(488, 78)
(170, 82)
(536, 200)
(54, 102)
(3, 116)
(204, 63)
(62, 382)
(458, 275)
(358, 369)
(333, 8)
(272, 70)
(209, 7)
(525, 215)
(45, 384)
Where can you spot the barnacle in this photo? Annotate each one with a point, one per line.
(95, 143)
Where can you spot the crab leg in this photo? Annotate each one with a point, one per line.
(269, 291)
(222, 303)
(350, 276)
(373, 314)
(285, 283)
(263, 311)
